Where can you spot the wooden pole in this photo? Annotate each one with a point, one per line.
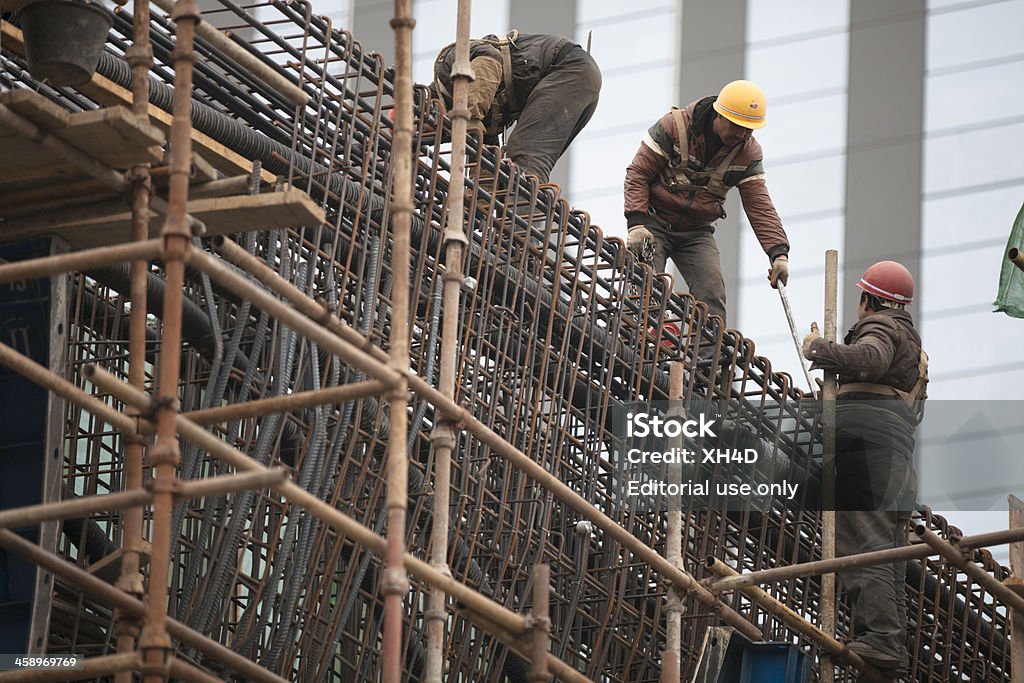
(670, 658)
(828, 482)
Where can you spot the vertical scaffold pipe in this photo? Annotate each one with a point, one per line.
(396, 583)
(670, 658)
(140, 58)
(443, 436)
(540, 620)
(828, 480)
(154, 642)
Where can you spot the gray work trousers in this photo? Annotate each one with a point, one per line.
(558, 108)
(695, 254)
(876, 488)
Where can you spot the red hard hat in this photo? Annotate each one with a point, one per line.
(890, 281)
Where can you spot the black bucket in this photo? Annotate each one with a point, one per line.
(64, 39)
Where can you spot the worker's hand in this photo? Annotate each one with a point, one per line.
(779, 272)
(808, 340)
(641, 243)
(475, 127)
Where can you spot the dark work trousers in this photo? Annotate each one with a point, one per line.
(557, 109)
(876, 487)
(696, 255)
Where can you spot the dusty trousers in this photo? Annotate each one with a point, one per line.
(876, 488)
(555, 112)
(695, 253)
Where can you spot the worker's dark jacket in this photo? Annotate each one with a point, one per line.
(532, 55)
(883, 348)
(650, 202)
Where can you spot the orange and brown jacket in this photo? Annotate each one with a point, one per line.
(649, 201)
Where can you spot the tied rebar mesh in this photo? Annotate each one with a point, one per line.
(559, 326)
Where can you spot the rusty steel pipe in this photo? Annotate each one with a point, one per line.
(540, 619)
(325, 332)
(87, 259)
(953, 555)
(99, 588)
(140, 59)
(523, 646)
(1016, 257)
(798, 623)
(189, 672)
(76, 507)
(283, 404)
(154, 642)
(339, 521)
(670, 658)
(255, 67)
(918, 551)
(443, 436)
(312, 329)
(91, 669)
(828, 468)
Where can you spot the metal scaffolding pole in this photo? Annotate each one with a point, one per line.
(917, 551)
(671, 657)
(154, 642)
(828, 469)
(396, 584)
(443, 436)
(140, 59)
(798, 623)
(332, 334)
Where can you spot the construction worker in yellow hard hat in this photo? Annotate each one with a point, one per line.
(674, 197)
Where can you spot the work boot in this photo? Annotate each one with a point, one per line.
(891, 664)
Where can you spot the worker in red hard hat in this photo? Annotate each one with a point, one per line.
(883, 373)
(676, 186)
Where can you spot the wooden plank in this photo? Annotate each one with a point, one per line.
(108, 93)
(1017, 573)
(113, 135)
(110, 222)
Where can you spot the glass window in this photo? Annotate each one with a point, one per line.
(602, 10)
(800, 67)
(807, 187)
(780, 18)
(435, 22)
(979, 216)
(973, 353)
(973, 158)
(966, 97)
(978, 33)
(961, 279)
(632, 41)
(620, 111)
(597, 170)
(792, 133)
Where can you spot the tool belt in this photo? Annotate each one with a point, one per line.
(681, 178)
(914, 398)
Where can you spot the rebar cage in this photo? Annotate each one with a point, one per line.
(559, 326)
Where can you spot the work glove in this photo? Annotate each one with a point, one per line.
(805, 347)
(779, 271)
(641, 243)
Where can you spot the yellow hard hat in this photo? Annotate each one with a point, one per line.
(742, 102)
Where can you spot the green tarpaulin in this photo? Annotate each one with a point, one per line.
(1010, 299)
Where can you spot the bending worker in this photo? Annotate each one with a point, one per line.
(548, 85)
(673, 198)
(883, 373)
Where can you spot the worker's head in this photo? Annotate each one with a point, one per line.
(886, 284)
(741, 109)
